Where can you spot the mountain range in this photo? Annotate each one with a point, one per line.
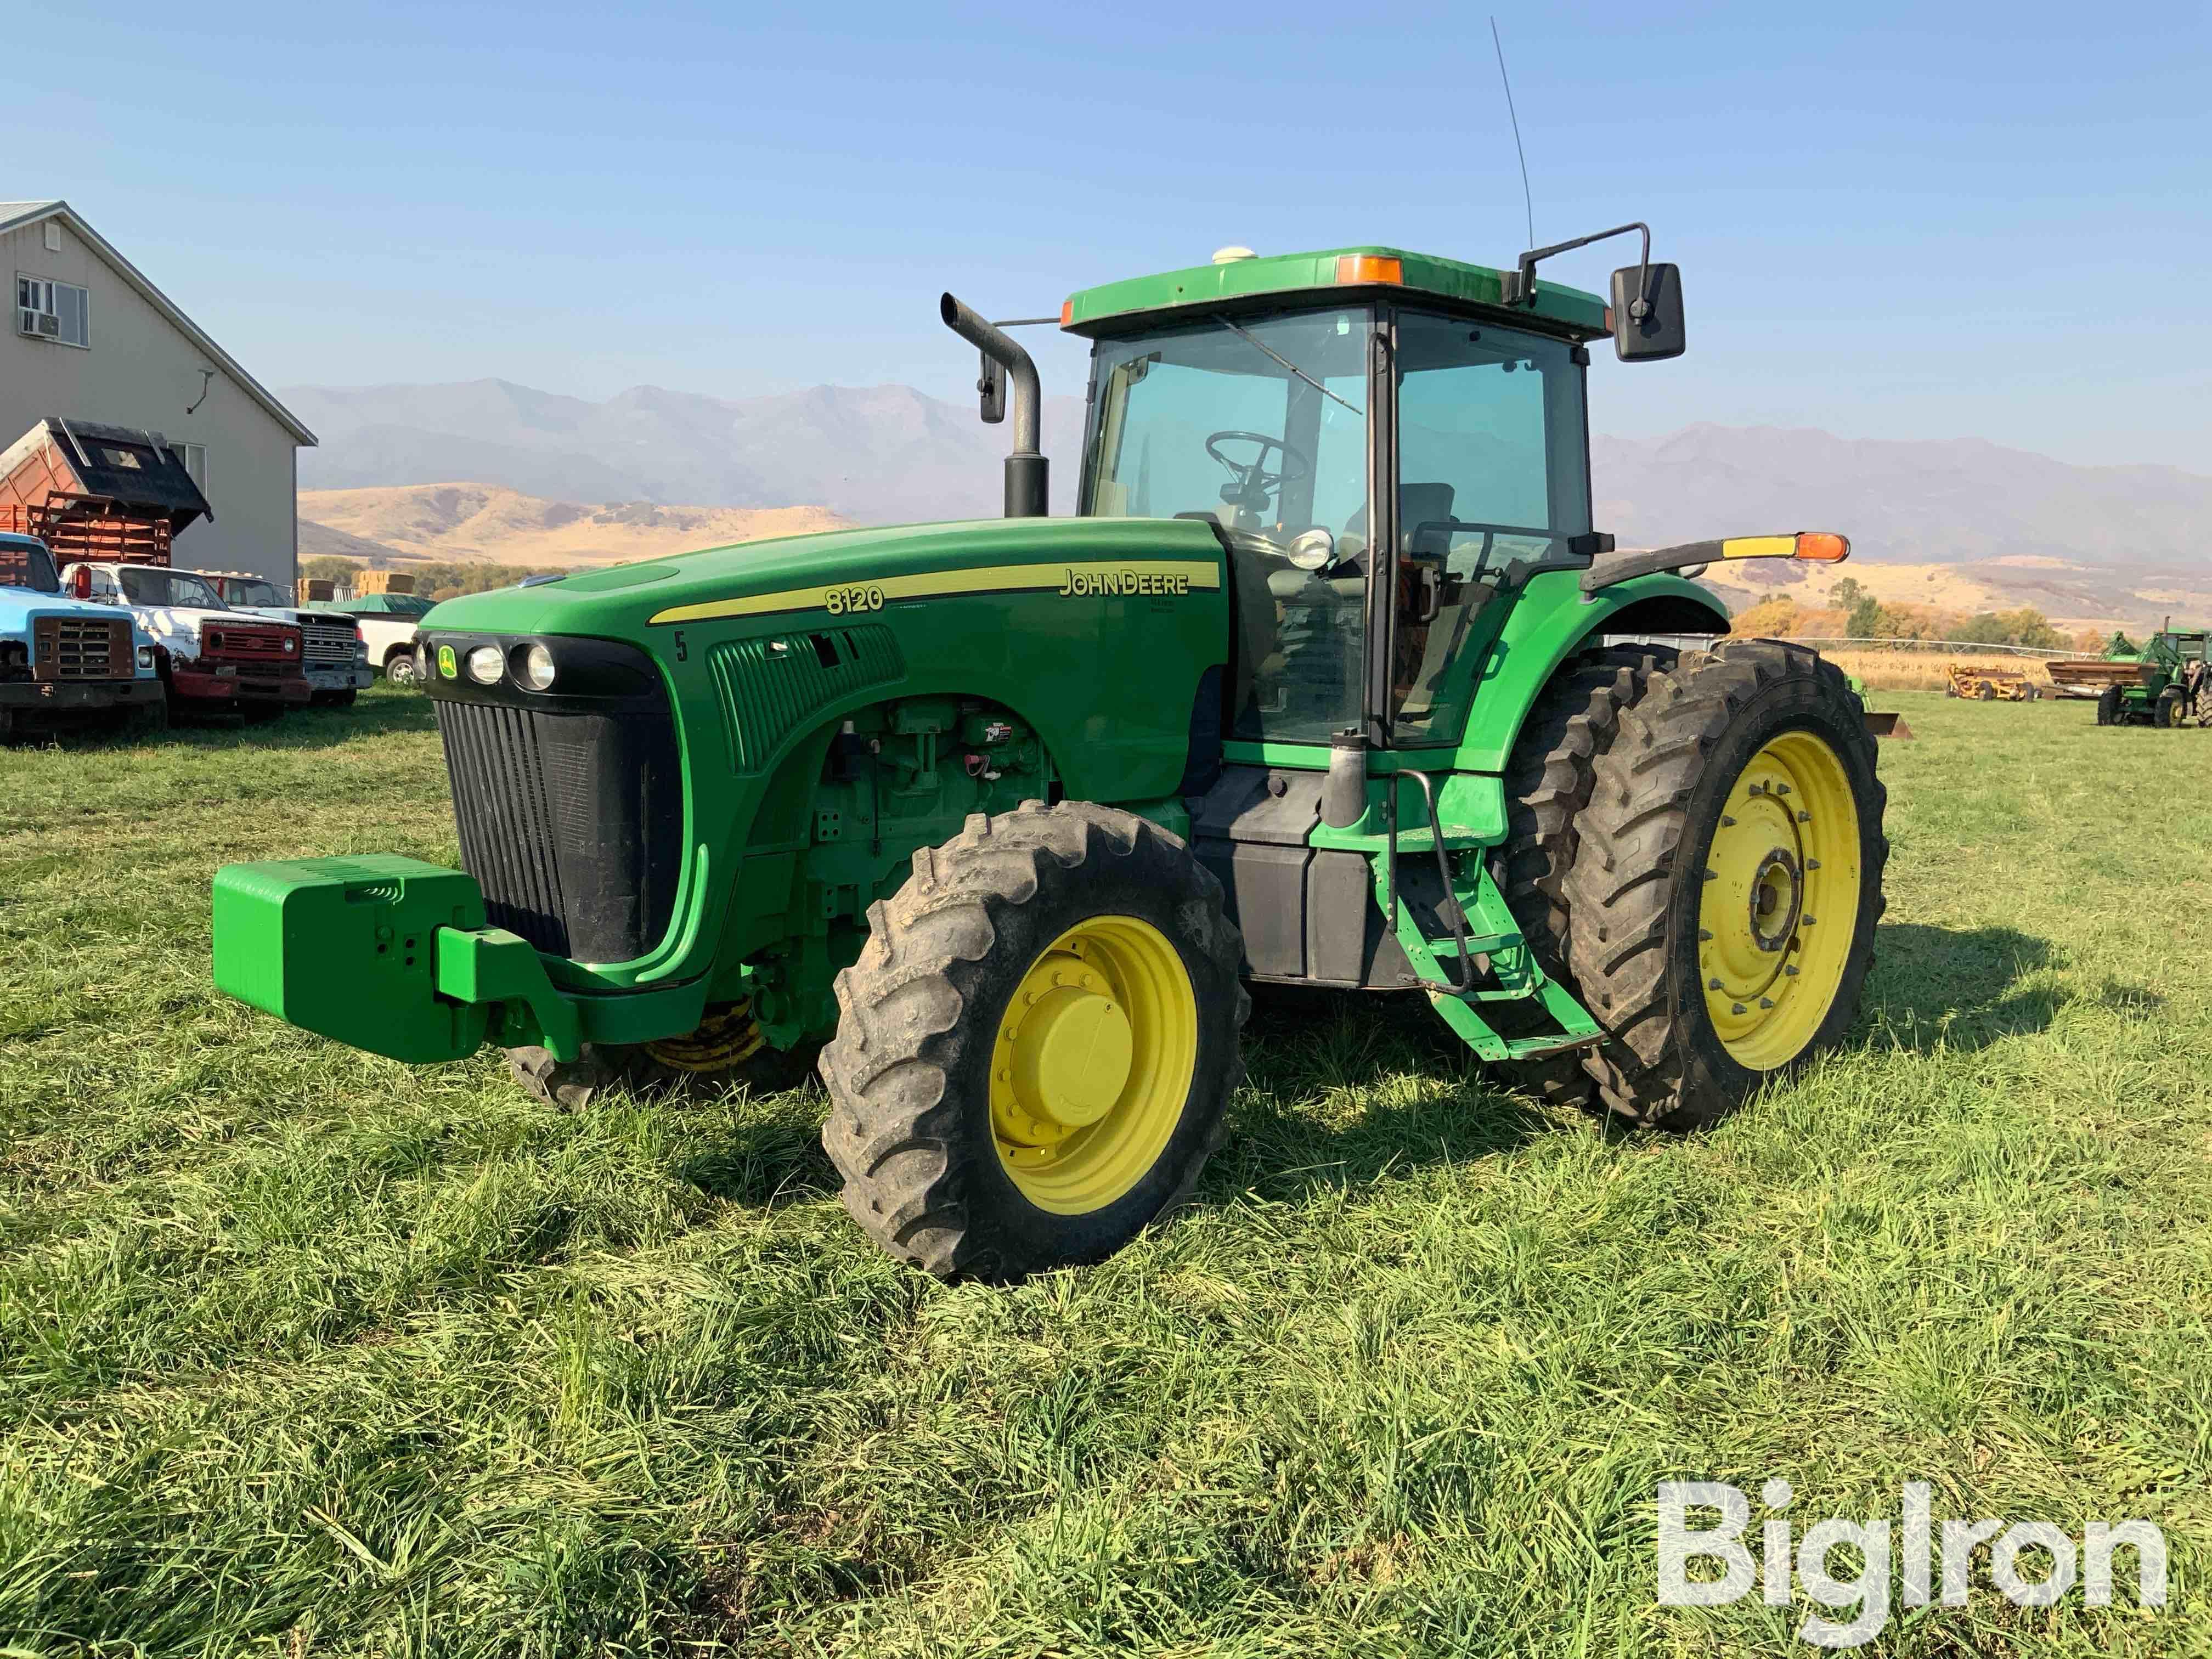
(1985, 524)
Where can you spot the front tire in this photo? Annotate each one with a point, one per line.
(1038, 1044)
(1723, 902)
(399, 668)
(2108, 706)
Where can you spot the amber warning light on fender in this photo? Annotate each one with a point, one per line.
(1820, 546)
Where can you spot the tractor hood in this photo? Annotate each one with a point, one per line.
(845, 573)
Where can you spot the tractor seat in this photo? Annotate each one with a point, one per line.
(1418, 504)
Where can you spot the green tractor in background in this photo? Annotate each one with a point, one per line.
(2167, 681)
(1330, 681)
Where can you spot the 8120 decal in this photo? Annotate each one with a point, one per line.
(843, 601)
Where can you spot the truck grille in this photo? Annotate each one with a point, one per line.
(572, 823)
(257, 645)
(81, 648)
(327, 646)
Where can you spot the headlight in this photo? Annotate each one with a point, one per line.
(290, 646)
(145, 656)
(536, 671)
(486, 665)
(1311, 549)
(211, 640)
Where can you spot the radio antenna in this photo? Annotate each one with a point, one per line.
(1527, 200)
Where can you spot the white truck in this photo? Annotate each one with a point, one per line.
(213, 659)
(334, 647)
(387, 622)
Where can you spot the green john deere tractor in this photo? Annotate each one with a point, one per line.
(1330, 681)
(2167, 682)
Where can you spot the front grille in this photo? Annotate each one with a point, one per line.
(81, 648)
(572, 823)
(257, 644)
(325, 646)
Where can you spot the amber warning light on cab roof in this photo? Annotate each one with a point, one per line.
(1369, 268)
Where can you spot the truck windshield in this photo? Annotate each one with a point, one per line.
(241, 590)
(1260, 425)
(25, 563)
(147, 584)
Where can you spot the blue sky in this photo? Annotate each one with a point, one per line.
(1911, 222)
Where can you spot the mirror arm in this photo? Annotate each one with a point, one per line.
(1520, 286)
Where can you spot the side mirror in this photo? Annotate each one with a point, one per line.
(1647, 327)
(81, 583)
(991, 385)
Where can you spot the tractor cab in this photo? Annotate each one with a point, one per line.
(1382, 465)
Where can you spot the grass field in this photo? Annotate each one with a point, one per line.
(305, 1353)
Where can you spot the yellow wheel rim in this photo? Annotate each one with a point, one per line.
(1781, 900)
(1092, 1064)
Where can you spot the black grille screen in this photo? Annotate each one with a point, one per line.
(571, 823)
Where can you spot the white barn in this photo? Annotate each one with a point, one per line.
(89, 338)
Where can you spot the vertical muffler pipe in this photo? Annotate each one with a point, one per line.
(1027, 486)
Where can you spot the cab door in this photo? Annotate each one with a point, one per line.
(1488, 453)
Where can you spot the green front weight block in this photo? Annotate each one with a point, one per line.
(389, 954)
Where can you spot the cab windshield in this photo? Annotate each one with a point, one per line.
(146, 584)
(256, 592)
(25, 563)
(1260, 424)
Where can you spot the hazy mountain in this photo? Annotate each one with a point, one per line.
(2076, 541)
(490, 522)
(1942, 501)
(870, 454)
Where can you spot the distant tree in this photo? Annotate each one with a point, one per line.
(1867, 620)
(1847, 592)
(329, 568)
(1769, 619)
(2026, 626)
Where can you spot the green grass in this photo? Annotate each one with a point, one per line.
(303, 1352)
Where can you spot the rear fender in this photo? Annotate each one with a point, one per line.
(1552, 621)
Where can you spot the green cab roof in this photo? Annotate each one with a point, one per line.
(1341, 269)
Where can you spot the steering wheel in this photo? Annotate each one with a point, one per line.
(1252, 484)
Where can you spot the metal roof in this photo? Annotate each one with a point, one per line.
(13, 216)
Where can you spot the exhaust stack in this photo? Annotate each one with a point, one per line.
(1026, 480)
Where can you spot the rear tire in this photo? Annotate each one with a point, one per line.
(2166, 711)
(1028, 958)
(1547, 785)
(1679, 773)
(2108, 706)
(399, 668)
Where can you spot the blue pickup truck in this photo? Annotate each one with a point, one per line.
(62, 660)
